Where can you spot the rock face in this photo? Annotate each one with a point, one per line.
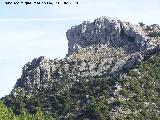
(104, 30)
(106, 47)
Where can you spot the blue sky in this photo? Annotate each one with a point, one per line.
(31, 31)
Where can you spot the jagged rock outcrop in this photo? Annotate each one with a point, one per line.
(104, 30)
(106, 47)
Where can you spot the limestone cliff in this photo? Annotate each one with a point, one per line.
(104, 30)
(106, 47)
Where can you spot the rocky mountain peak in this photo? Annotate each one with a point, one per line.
(105, 47)
(99, 73)
(110, 31)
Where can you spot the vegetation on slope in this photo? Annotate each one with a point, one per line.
(134, 97)
(7, 114)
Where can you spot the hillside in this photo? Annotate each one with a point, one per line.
(111, 72)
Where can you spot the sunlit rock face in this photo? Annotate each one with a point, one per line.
(110, 31)
(106, 47)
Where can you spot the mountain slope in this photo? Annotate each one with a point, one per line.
(136, 96)
(111, 72)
